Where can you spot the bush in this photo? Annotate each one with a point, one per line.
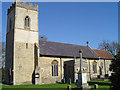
(115, 68)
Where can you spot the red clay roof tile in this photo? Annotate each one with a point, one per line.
(103, 54)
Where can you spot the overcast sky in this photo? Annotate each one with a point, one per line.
(75, 22)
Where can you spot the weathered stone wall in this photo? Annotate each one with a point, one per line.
(46, 69)
(104, 64)
(9, 57)
(68, 63)
(24, 41)
(92, 74)
(9, 47)
(29, 35)
(23, 63)
(108, 63)
(105, 67)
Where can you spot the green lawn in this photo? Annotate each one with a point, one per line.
(51, 86)
(101, 87)
(40, 86)
(107, 81)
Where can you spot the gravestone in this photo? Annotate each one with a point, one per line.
(95, 86)
(69, 87)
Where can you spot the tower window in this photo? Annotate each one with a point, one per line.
(27, 21)
(26, 45)
(54, 68)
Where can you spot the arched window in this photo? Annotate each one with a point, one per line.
(27, 21)
(94, 67)
(54, 68)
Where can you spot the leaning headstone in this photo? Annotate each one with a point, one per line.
(69, 87)
(95, 86)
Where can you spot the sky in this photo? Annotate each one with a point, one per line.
(74, 22)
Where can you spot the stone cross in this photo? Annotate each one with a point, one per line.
(82, 75)
(81, 62)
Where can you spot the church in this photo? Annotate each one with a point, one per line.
(33, 61)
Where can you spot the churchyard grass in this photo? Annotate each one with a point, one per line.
(53, 86)
(105, 84)
(107, 81)
(57, 85)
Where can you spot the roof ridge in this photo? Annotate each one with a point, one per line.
(63, 43)
(99, 49)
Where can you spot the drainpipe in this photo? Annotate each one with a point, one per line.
(61, 67)
(75, 78)
(104, 67)
(99, 65)
(89, 70)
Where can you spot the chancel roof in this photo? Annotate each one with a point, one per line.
(48, 48)
(103, 54)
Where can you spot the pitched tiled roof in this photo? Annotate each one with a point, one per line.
(62, 49)
(103, 54)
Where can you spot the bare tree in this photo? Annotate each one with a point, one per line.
(112, 47)
(2, 59)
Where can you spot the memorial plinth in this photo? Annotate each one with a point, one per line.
(82, 76)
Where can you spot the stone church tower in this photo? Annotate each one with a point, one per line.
(22, 42)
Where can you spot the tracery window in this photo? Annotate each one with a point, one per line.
(27, 21)
(94, 67)
(54, 68)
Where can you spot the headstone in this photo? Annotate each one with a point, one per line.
(69, 87)
(95, 86)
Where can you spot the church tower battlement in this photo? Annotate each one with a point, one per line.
(22, 41)
(23, 5)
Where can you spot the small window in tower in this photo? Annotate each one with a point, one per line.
(26, 45)
(27, 21)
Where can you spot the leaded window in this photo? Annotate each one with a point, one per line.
(54, 68)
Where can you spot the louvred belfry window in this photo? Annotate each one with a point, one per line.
(27, 21)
